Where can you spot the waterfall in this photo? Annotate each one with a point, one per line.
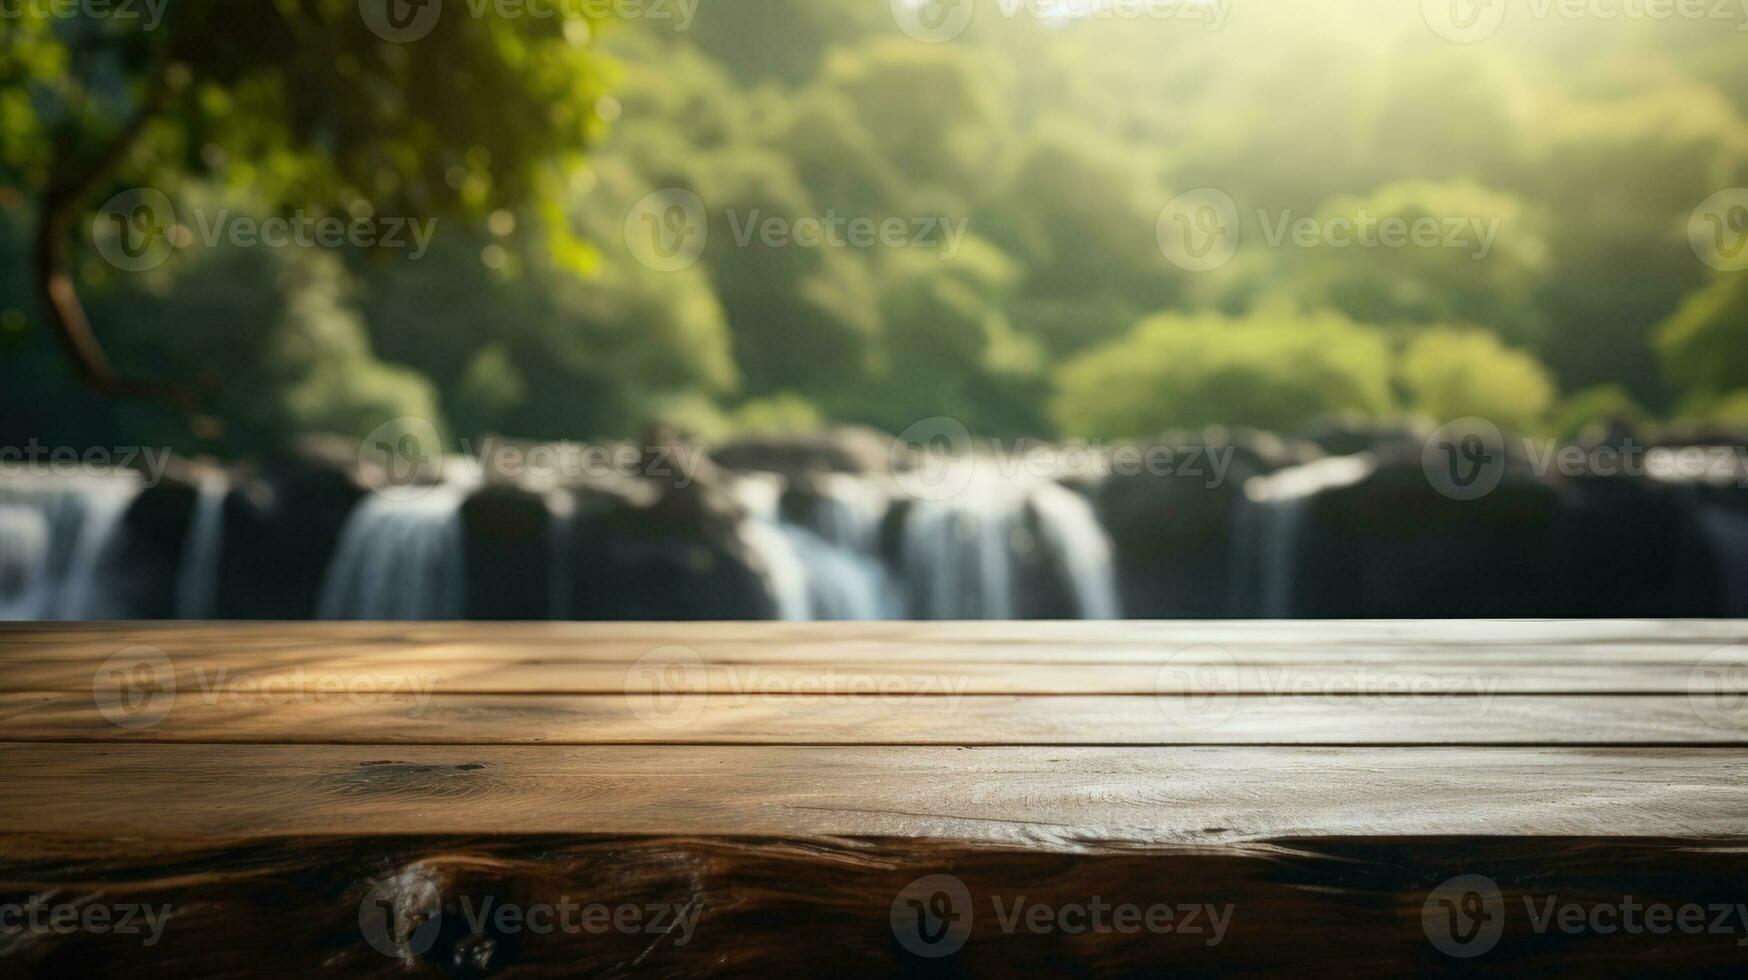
(783, 567)
(846, 511)
(956, 553)
(843, 583)
(763, 534)
(1073, 536)
(830, 546)
(961, 554)
(561, 536)
(1270, 525)
(55, 535)
(830, 573)
(399, 559)
(197, 579)
(24, 559)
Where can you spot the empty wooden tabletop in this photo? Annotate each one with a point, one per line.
(891, 797)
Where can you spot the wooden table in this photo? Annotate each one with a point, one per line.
(760, 798)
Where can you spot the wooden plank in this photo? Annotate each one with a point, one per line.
(359, 906)
(1339, 775)
(308, 672)
(1059, 799)
(1386, 632)
(935, 718)
(1448, 643)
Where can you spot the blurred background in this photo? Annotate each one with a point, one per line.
(867, 309)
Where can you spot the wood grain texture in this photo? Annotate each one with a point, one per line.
(1061, 799)
(1319, 781)
(1457, 642)
(756, 717)
(825, 908)
(304, 671)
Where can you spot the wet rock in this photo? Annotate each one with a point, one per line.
(282, 520)
(507, 551)
(1171, 519)
(641, 551)
(141, 571)
(1364, 537)
(1723, 522)
(850, 449)
(1346, 437)
(1634, 547)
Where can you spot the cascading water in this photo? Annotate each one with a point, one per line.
(197, 582)
(561, 535)
(55, 534)
(1269, 525)
(826, 550)
(846, 511)
(1073, 536)
(834, 575)
(842, 584)
(838, 539)
(962, 551)
(955, 553)
(24, 559)
(399, 559)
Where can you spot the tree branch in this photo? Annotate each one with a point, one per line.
(61, 201)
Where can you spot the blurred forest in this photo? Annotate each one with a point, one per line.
(1590, 143)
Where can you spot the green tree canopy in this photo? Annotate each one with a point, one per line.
(1452, 374)
(310, 106)
(1269, 370)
